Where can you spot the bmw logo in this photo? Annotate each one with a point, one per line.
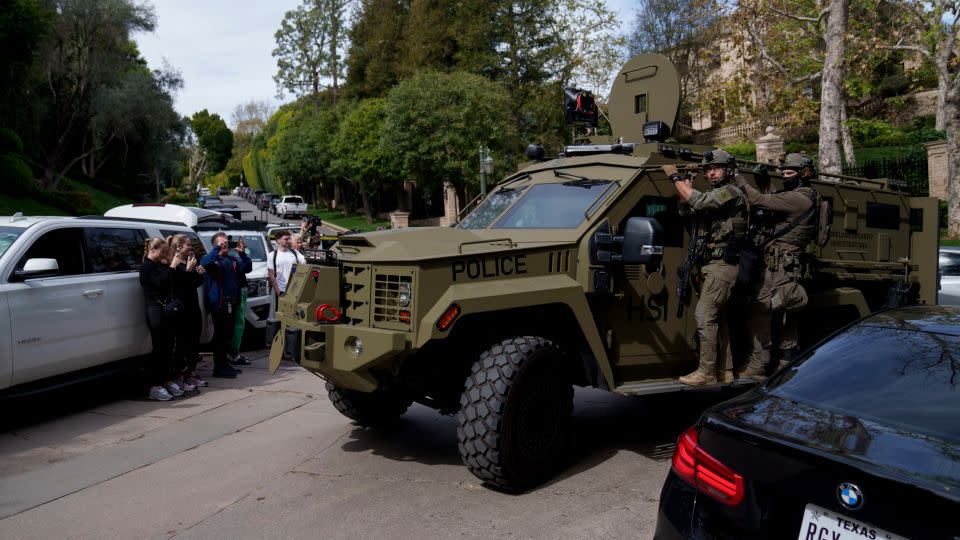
(850, 496)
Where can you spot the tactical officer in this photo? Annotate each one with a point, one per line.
(723, 221)
(786, 222)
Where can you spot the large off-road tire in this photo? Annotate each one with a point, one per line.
(515, 413)
(368, 409)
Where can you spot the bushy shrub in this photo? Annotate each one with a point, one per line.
(74, 202)
(16, 178)
(747, 151)
(10, 142)
(874, 132)
(178, 198)
(921, 130)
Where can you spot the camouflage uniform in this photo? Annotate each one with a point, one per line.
(723, 215)
(784, 239)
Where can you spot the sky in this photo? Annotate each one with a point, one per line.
(222, 48)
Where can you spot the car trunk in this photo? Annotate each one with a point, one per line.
(792, 456)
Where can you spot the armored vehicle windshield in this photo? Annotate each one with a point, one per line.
(553, 205)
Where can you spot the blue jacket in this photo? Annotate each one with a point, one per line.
(221, 281)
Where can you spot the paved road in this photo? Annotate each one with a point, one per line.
(252, 213)
(268, 456)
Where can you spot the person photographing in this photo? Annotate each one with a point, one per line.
(222, 286)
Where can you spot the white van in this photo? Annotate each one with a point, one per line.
(71, 305)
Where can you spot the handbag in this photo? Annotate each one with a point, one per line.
(171, 307)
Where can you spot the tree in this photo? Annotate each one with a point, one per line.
(374, 55)
(213, 138)
(435, 123)
(666, 27)
(797, 46)
(24, 25)
(88, 45)
(301, 147)
(359, 155)
(309, 42)
(249, 118)
(930, 28)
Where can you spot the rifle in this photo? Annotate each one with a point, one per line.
(684, 272)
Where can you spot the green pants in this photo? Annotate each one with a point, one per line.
(239, 322)
(718, 281)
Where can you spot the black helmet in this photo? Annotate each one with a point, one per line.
(722, 158)
(718, 157)
(802, 164)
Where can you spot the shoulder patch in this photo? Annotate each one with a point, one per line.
(722, 195)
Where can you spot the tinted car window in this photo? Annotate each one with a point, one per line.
(555, 206)
(255, 246)
(7, 236)
(64, 245)
(114, 250)
(949, 263)
(895, 376)
(195, 242)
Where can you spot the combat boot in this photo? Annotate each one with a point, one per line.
(753, 373)
(726, 376)
(698, 378)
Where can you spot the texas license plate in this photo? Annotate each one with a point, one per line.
(822, 524)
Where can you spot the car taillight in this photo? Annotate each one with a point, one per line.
(705, 472)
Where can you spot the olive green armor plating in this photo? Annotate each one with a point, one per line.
(566, 274)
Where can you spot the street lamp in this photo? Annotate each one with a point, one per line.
(486, 168)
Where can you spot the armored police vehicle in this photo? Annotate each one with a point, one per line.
(566, 274)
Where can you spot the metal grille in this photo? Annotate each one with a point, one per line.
(356, 280)
(386, 303)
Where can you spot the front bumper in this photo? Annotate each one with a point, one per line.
(329, 350)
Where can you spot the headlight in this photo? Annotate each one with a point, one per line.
(353, 345)
(405, 292)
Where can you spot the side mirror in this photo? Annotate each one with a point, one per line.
(35, 268)
(642, 241)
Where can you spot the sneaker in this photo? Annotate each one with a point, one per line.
(224, 372)
(235, 370)
(698, 378)
(240, 360)
(187, 387)
(174, 389)
(159, 393)
(197, 382)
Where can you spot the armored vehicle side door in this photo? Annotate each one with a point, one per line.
(645, 333)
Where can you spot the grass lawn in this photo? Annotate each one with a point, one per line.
(356, 221)
(944, 241)
(102, 201)
(10, 205)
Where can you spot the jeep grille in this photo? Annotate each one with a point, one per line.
(386, 305)
(356, 284)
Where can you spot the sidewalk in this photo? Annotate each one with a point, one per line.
(68, 473)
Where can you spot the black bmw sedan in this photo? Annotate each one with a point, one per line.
(859, 438)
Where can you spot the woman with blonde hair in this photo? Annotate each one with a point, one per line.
(156, 278)
(187, 276)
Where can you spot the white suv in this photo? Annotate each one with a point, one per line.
(260, 305)
(71, 304)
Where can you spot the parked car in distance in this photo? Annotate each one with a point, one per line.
(291, 205)
(858, 438)
(223, 191)
(949, 293)
(263, 201)
(71, 304)
(260, 303)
